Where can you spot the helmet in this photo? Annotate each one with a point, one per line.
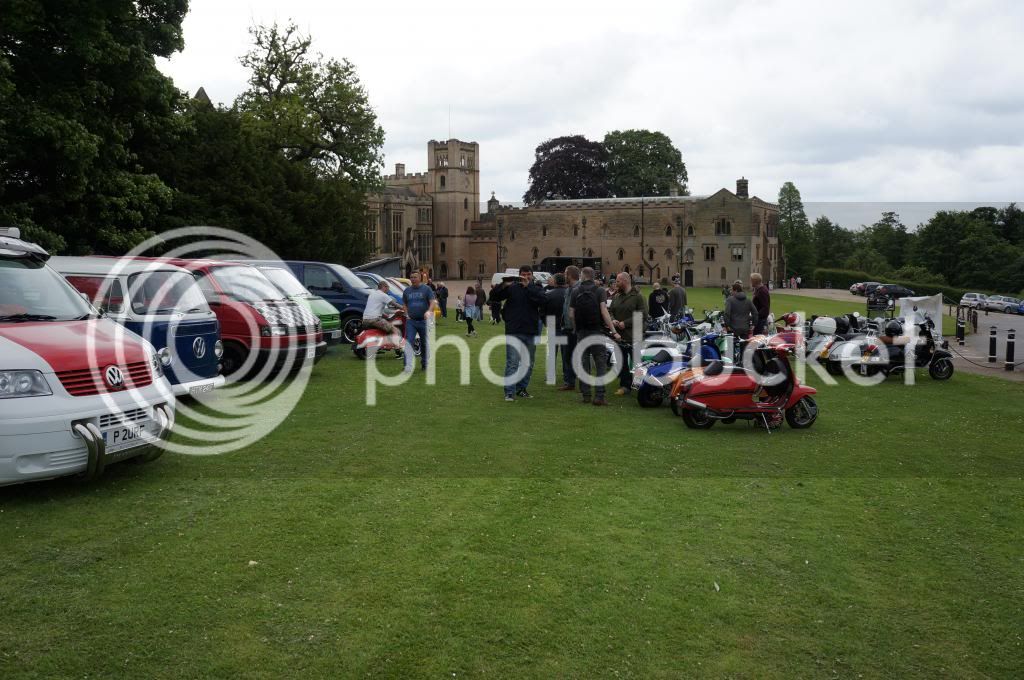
(789, 319)
(824, 325)
(842, 324)
(893, 328)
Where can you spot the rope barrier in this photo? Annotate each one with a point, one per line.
(998, 367)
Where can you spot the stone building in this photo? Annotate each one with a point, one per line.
(425, 217)
(710, 240)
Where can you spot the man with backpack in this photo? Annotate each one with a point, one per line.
(588, 315)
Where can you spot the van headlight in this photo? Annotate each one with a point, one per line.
(218, 349)
(164, 356)
(15, 384)
(158, 367)
(268, 331)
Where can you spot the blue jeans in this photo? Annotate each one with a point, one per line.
(512, 361)
(568, 375)
(412, 329)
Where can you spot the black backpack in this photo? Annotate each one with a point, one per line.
(588, 308)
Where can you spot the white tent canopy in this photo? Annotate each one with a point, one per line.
(930, 306)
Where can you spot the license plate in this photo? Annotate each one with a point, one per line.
(128, 436)
(311, 352)
(335, 334)
(201, 389)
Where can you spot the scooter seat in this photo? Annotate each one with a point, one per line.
(714, 368)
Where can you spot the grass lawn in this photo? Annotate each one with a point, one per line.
(447, 533)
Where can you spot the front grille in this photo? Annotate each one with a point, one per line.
(130, 416)
(86, 382)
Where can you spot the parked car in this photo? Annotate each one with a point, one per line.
(869, 287)
(163, 304)
(255, 316)
(884, 296)
(330, 319)
(339, 286)
(976, 300)
(78, 391)
(373, 280)
(1001, 303)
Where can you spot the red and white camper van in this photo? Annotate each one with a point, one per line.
(77, 391)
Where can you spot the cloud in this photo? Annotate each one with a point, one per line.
(912, 101)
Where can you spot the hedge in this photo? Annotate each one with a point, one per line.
(844, 278)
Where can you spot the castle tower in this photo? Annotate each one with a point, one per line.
(453, 170)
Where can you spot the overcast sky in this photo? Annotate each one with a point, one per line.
(887, 101)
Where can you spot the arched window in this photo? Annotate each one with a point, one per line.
(442, 247)
(668, 230)
(723, 227)
(620, 253)
(668, 254)
(544, 230)
(535, 253)
(465, 225)
(442, 181)
(575, 230)
(558, 252)
(465, 204)
(636, 230)
(724, 275)
(512, 235)
(444, 270)
(688, 255)
(650, 253)
(480, 267)
(689, 230)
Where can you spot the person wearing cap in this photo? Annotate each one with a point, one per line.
(522, 299)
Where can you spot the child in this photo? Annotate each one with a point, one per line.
(458, 309)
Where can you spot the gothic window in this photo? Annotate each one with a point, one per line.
(442, 181)
(723, 227)
(650, 253)
(465, 204)
(544, 230)
(620, 253)
(709, 253)
(444, 270)
(688, 255)
(535, 253)
(512, 235)
(465, 225)
(442, 247)
(668, 254)
(462, 161)
(575, 230)
(689, 230)
(371, 232)
(668, 230)
(636, 230)
(558, 252)
(724, 274)
(480, 267)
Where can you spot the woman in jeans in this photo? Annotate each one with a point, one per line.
(469, 310)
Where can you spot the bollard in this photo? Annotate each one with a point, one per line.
(992, 345)
(1010, 341)
(960, 329)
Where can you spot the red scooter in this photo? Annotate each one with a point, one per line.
(375, 340)
(765, 392)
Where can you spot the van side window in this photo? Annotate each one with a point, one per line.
(107, 294)
(318, 277)
(206, 285)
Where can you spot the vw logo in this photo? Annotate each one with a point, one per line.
(114, 376)
(199, 348)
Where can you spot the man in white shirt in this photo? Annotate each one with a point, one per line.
(373, 314)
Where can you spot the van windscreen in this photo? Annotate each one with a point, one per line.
(165, 292)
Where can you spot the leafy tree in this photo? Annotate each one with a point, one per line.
(795, 231)
(937, 245)
(80, 96)
(832, 243)
(568, 167)
(910, 272)
(1010, 223)
(889, 237)
(866, 259)
(313, 109)
(644, 163)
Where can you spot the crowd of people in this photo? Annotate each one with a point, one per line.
(582, 311)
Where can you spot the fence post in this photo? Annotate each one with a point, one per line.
(992, 345)
(1010, 341)
(960, 327)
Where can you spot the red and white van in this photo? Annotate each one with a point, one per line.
(77, 391)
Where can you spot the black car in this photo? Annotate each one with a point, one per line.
(884, 294)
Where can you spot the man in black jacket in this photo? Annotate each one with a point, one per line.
(523, 299)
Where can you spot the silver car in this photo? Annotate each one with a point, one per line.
(1002, 303)
(976, 300)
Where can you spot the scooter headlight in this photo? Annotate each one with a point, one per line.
(218, 349)
(14, 384)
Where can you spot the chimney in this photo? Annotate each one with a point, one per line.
(741, 188)
(400, 169)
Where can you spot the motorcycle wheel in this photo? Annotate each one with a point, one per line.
(360, 352)
(803, 414)
(941, 369)
(649, 398)
(350, 329)
(834, 368)
(697, 420)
